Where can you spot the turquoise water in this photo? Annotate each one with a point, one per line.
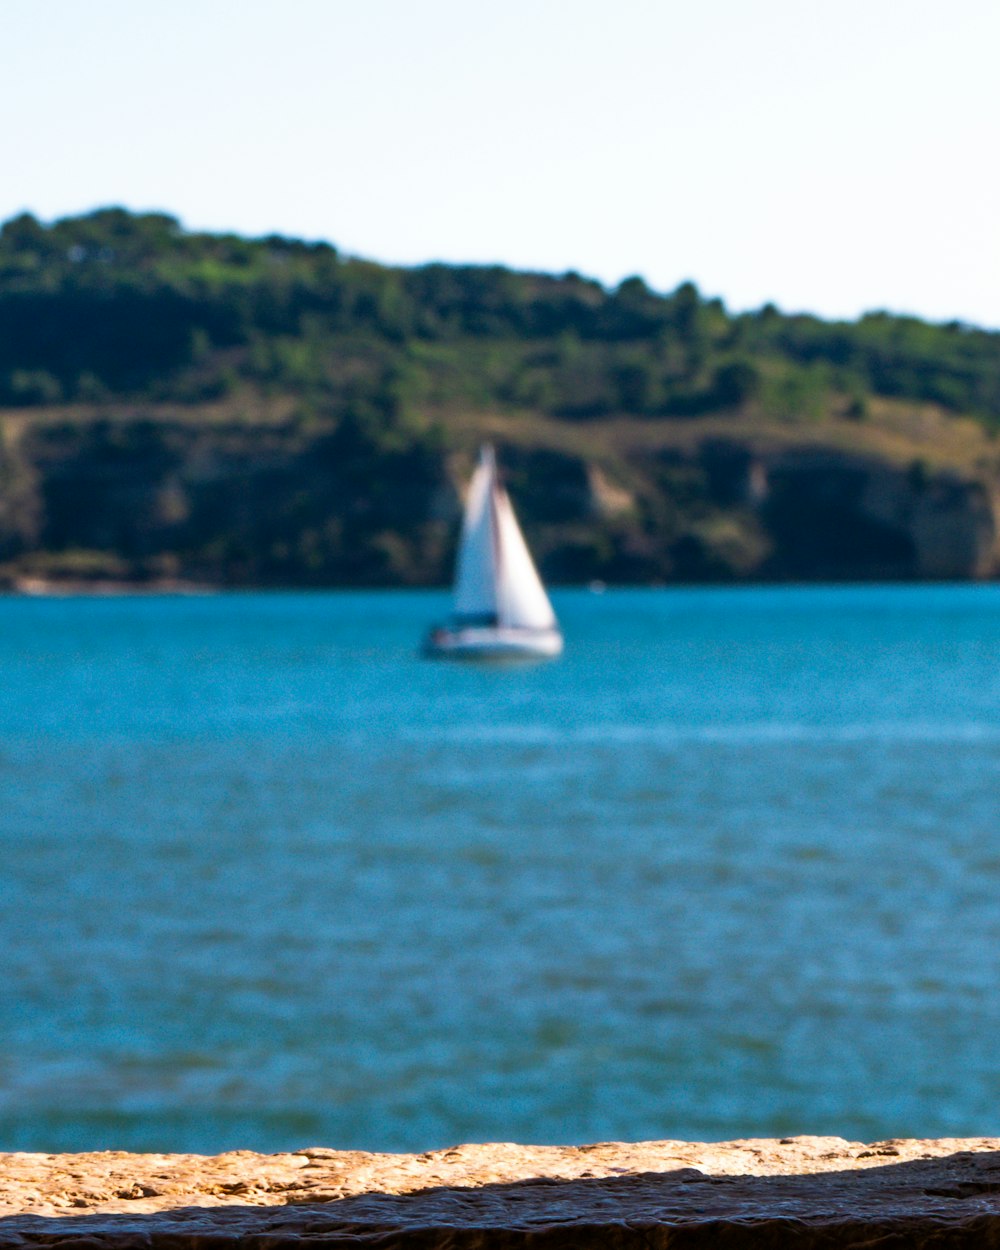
(730, 867)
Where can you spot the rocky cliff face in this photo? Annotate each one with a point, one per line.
(727, 510)
(830, 514)
(229, 504)
(145, 498)
(836, 515)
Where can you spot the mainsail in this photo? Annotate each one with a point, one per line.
(497, 579)
(478, 566)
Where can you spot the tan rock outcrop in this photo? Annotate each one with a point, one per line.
(799, 1192)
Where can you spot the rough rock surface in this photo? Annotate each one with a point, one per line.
(803, 1191)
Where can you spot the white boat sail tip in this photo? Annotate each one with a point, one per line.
(501, 610)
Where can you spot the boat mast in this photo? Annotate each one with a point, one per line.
(499, 581)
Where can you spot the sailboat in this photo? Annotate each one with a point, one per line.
(501, 610)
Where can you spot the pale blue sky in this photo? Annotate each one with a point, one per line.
(834, 156)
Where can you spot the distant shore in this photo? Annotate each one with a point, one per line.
(181, 407)
(44, 587)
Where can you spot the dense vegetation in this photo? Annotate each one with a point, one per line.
(131, 305)
(366, 369)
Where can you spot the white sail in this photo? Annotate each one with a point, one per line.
(478, 573)
(521, 599)
(497, 578)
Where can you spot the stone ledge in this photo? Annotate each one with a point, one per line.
(799, 1192)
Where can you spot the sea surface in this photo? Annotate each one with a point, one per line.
(730, 867)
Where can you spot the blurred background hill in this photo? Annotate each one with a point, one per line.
(210, 408)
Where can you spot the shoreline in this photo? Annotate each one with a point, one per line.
(55, 588)
(31, 587)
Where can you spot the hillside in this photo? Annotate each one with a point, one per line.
(208, 408)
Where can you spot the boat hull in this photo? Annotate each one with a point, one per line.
(494, 644)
